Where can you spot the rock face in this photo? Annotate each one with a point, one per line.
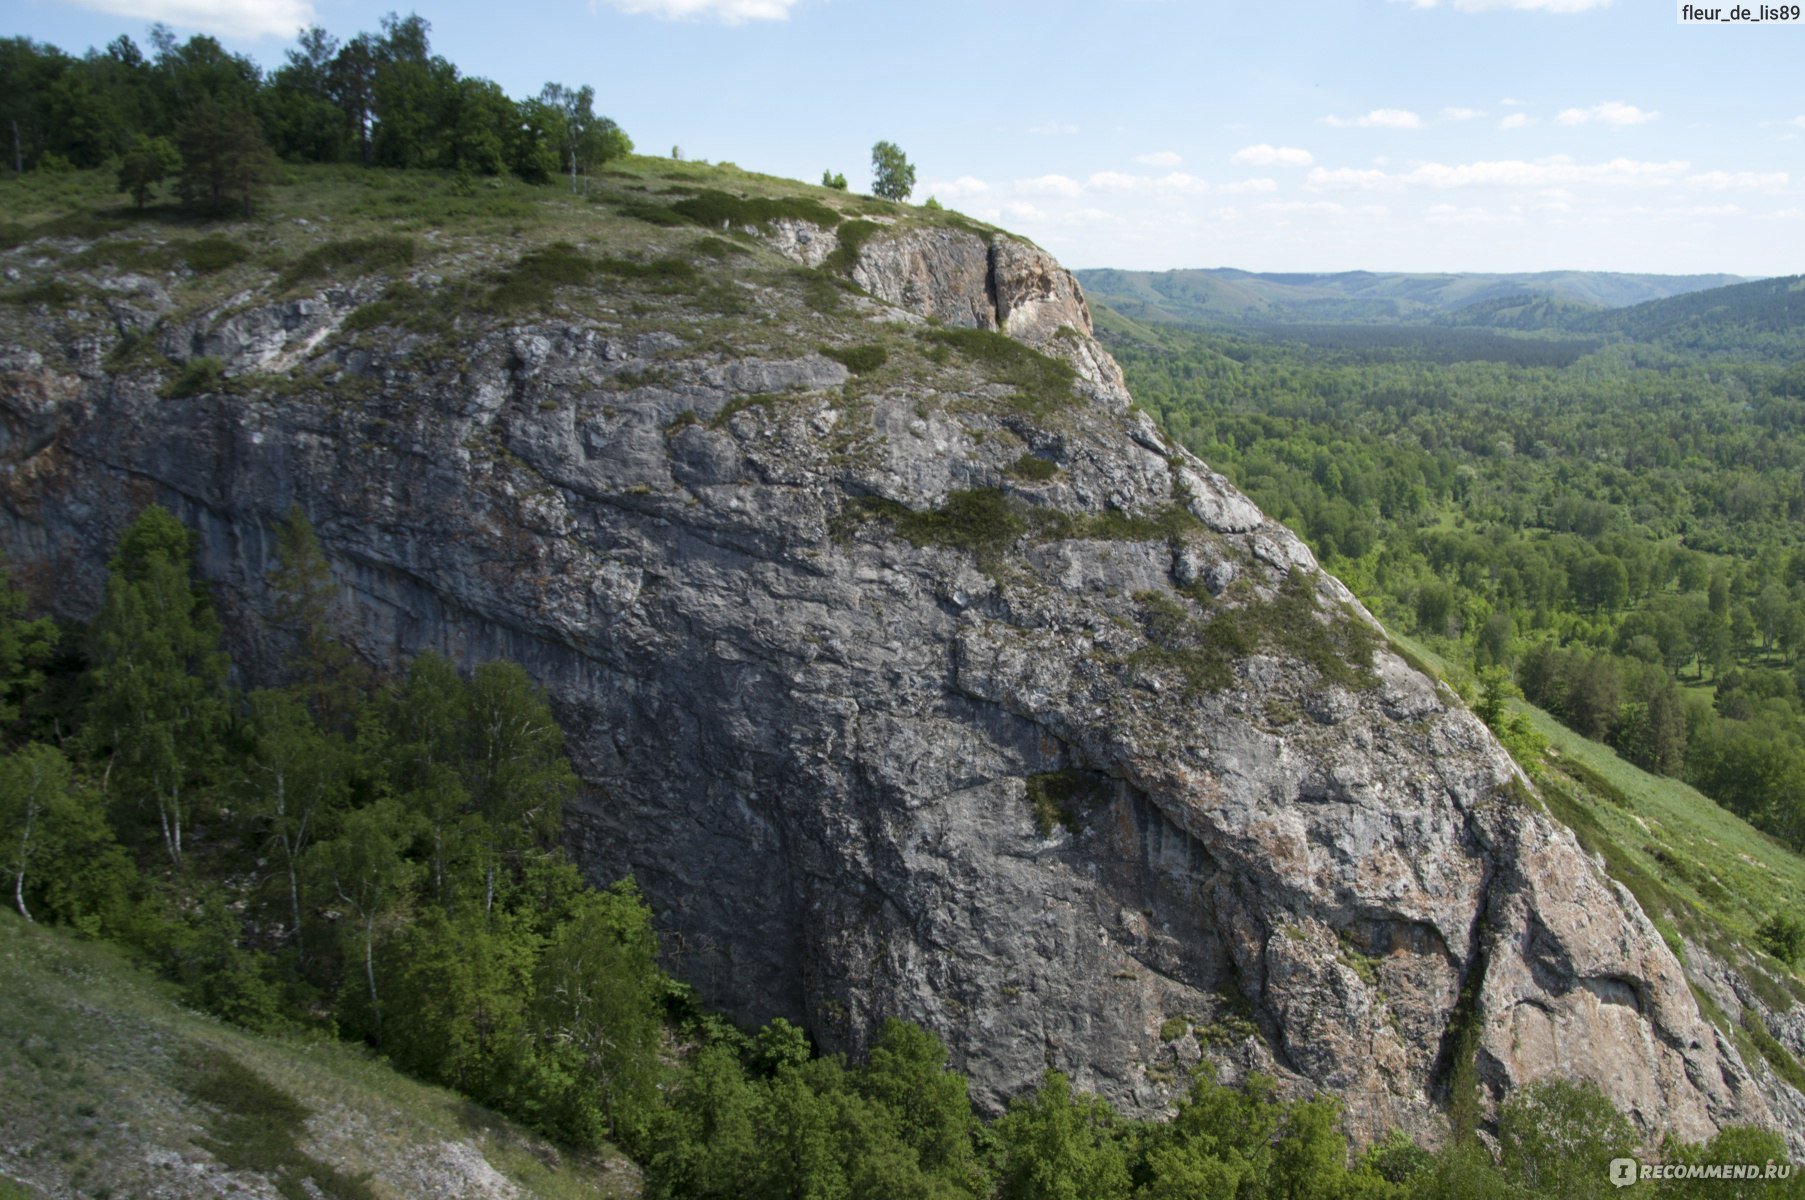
(864, 774)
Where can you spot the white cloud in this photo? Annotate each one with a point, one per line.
(1024, 210)
(1252, 185)
(1516, 121)
(1178, 181)
(1553, 6)
(1051, 185)
(1799, 121)
(1507, 173)
(965, 185)
(1349, 177)
(1378, 118)
(228, 18)
(1116, 181)
(1611, 112)
(1724, 181)
(1267, 156)
(1451, 214)
(1462, 114)
(1511, 102)
(1053, 129)
(1164, 158)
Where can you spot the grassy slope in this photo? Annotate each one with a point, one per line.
(104, 1074)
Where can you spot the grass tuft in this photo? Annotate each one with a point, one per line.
(196, 377)
(860, 360)
(362, 256)
(1043, 384)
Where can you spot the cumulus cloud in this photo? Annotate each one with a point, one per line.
(1554, 172)
(228, 18)
(1267, 156)
(1611, 112)
(1724, 181)
(1050, 185)
(1164, 158)
(1378, 118)
(965, 185)
(1024, 210)
(1452, 214)
(1516, 121)
(1117, 181)
(1457, 113)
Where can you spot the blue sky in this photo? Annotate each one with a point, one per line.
(1431, 135)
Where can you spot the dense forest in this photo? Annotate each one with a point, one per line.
(217, 123)
(1620, 533)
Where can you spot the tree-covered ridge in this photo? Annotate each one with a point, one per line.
(379, 856)
(382, 99)
(1230, 296)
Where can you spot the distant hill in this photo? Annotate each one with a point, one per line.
(1765, 317)
(1224, 295)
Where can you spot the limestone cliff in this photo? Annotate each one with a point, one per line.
(947, 688)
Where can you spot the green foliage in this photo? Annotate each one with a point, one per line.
(1783, 936)
(26, 646)
(1044, 384)
(532, 281)
(1059, 798)
(226, 164)
(860, 360)
(1557, 1138)
(892, 175)
(158, 707)
(834, 180)
(1204, 652)
(979, 520)
(51, 292)
(1033, 469)
(380, 253)
(850, 238)
(149, 162)
(723, 210)
(197, 377)
(1057, 1145)
(205, 255)
(1777, 1055)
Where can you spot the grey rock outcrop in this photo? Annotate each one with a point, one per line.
(826, 751)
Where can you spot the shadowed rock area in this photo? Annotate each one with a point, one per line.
(945, 689)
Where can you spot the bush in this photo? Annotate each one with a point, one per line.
(860, 360)
(1032, 469)
(384, 252)
(196, 377)
(209, 254)
(1783, 936)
